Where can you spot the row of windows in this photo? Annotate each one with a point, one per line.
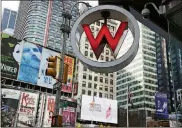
(150, 75)
(102, 57)
(128, 84)
(101, 24)
(96, 79)
(101, 95)
(95, 86)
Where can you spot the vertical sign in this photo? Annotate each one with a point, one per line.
(161, 105)
(69, 116)
(10, 56)
(9, 106)
(68, 86)
(49, 111)
(27, 109)
(30, 62)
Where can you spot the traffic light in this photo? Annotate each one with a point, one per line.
(56, 121)
(53, 69)
(52, 63)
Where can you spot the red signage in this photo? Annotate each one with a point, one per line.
(67, 88)
(104, 36)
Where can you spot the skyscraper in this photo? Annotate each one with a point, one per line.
(8, 19)
(169, 68)
(39, 22)
(140, 75)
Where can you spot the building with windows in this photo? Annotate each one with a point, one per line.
(90, 83)
(8, 19)
(169, 68)
(40, 21)
(140, 76)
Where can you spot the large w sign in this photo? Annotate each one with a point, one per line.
(104, 36)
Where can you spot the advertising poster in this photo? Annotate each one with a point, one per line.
(49, 111)
(27, 109)
(70, 61)
(9, 106)
(30, 63)
(161, 105)
(44, 80)
(68, 86)
(69, 116)
(40, 112)
(99, 109)
(11, 50)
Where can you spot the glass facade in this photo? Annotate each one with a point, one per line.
(43, 22)
(140, 75)
(8, 19)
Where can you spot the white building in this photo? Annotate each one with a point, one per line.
(140, 75)
(91, 83)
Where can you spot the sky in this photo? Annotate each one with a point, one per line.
(13, 5)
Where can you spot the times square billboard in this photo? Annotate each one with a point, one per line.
(27, 62)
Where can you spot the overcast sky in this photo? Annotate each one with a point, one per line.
(13, 5)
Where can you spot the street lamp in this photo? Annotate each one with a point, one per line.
(66, 29)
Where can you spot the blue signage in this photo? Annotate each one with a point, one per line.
(161, 105)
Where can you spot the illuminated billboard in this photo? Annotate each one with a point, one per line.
(27, 62)
(99, 109)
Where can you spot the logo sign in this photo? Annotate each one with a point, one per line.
(161, 105)
(104, 37)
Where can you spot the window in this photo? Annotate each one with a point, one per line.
(100, 87)
(97, 29)
(84, 76)
(95, 93)
(90, 77)
(91, 55)
(112, 28)
(111, 89)
(111, 82)
(83, 91)
(101, 79)
(86, 53)
(100, 94)
(92, 28)
(102, 57)
(107, 52)
(106, 95)
(84, 68)
(84, 84)
(111, 75)
(106, 88)
(95, 86)
(86, 46)
(89, 92)
(95, 78)
(107, 58)
(106, 80)
(106, 74)
(86, 39)
(89, 85)
(98, 23)
(111, 96)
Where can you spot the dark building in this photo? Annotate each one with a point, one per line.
(169, 68)
(8, 19)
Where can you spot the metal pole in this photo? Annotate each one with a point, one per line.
(127, 107)
(58, 92)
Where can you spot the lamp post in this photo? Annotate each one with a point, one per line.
(66, 29)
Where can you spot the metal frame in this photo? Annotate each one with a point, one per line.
(93, 15)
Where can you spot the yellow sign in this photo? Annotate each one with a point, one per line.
(70, 61)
